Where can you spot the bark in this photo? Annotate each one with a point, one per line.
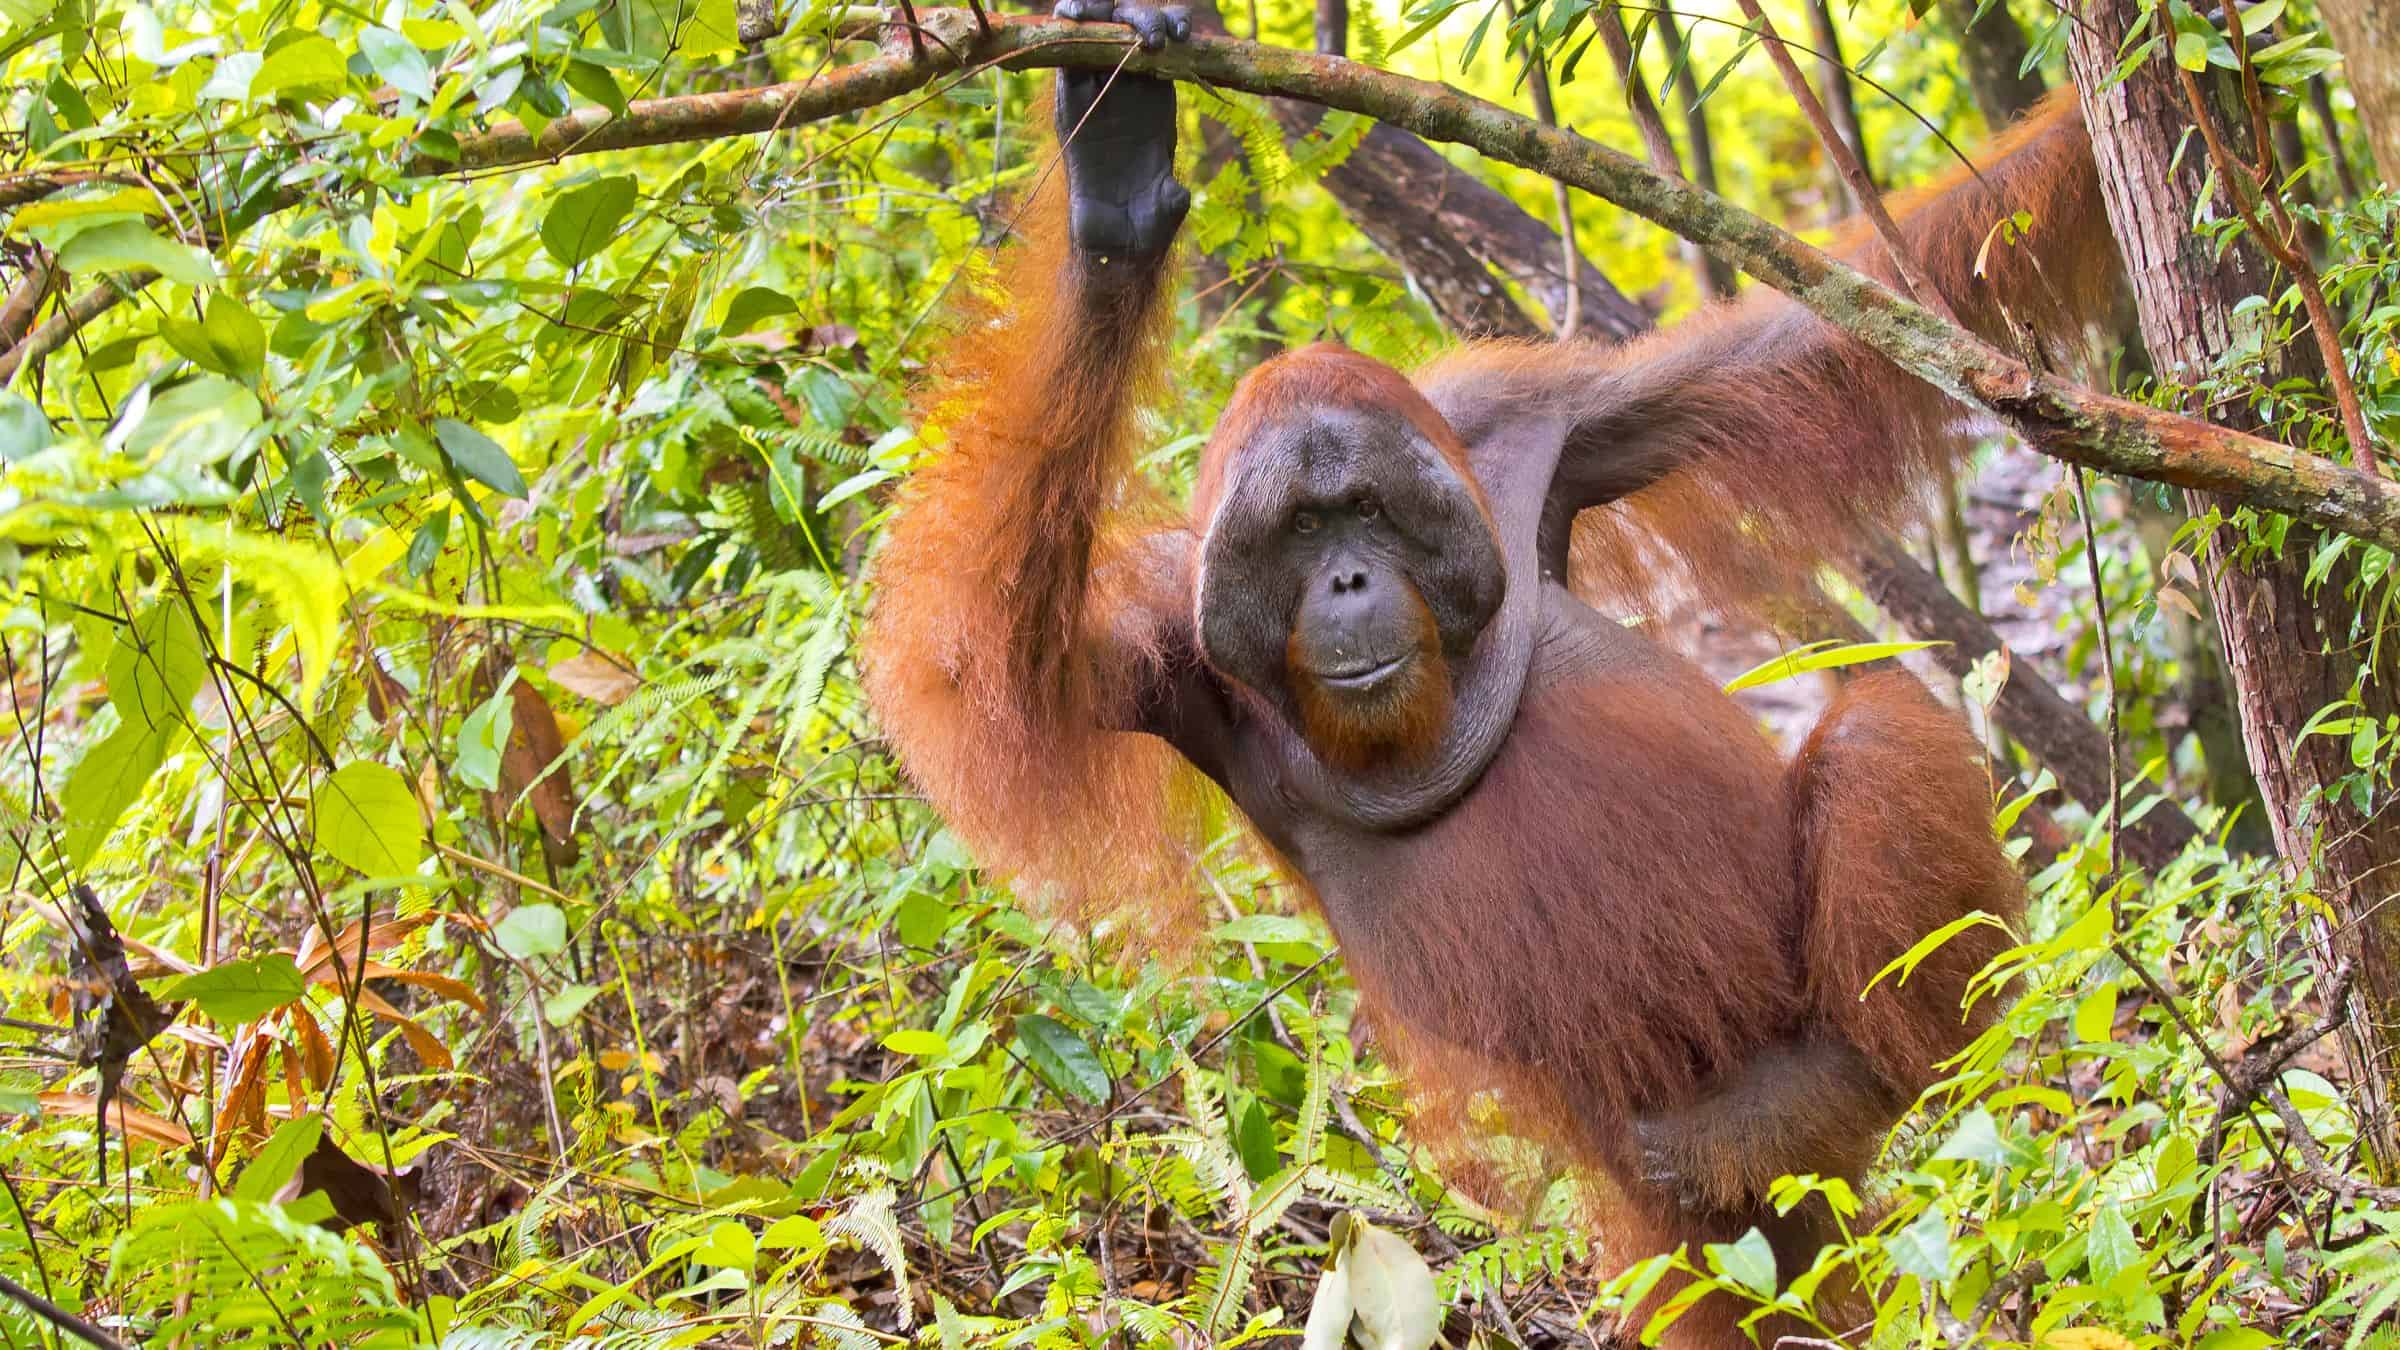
(1403, 195)
(1993, 49)
(2288, 650)
(2368, 34)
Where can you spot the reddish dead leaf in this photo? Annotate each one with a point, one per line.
(596, 675)
(129, 1121)
(314, 955)
(429, 1047)
(316, 1052)
(534, 745)
(448, 986)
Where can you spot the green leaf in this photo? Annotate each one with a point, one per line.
(479, 457)
(367, 817)
(922, 920)
(595, 83)
(106, 780)
(569, 1002)
(754, 306)
(280, 1157)
(1821, 656)
(128, 245)
(1922, 1249)
(2110, 1247)
(1065, 1060)
(483, 738)
(229, 341)
(532, 931)
(23, 429)
(2191, 51)
(583, 220)
(194, 424)
(156, 666)
(242, 991)
(1748, 1262)
(918, 1043)
(1977, 1139)
(730, 1244)
(304, 66)
(2096, 1015)
(398, 61)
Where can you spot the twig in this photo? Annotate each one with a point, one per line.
(58, 1317)
(2243, 181)
(1537, 80)
(1846, 161)
(78, 312)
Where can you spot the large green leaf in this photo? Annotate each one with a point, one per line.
(308, 65)
(583, 220)
(531, 931)
(153, 669)
(242, 991)
(1065, 1060)
(128, 245)
(479, 457)
(367, 817)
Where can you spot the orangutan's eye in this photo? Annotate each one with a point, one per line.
(1368, 508)
(1305, 522)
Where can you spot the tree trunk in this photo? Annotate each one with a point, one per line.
(1993, 50)
(2287, 650)
(2368, 33)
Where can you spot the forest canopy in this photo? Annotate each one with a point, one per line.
(458, 892)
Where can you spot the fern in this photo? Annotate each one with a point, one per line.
(1512, 1259)
(220, 1272)
(1368, 42)
(1336, 137)
(1261, 137)
(870, 1222)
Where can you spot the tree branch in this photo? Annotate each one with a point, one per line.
(2063, 420)
(2058, 417)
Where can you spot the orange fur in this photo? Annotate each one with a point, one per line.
(1637, 909)
(985, 659)
(1403, 721)
(1800, 437)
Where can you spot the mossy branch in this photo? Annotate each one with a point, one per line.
(2057, 416)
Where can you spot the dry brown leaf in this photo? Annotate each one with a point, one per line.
(314, 955)
(128, 1120)
(429, 1047)
(448, 986)
(534, 744)
(596, 675)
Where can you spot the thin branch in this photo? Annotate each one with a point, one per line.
(2243, 181)
(58, 1317)
(1846, 161)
